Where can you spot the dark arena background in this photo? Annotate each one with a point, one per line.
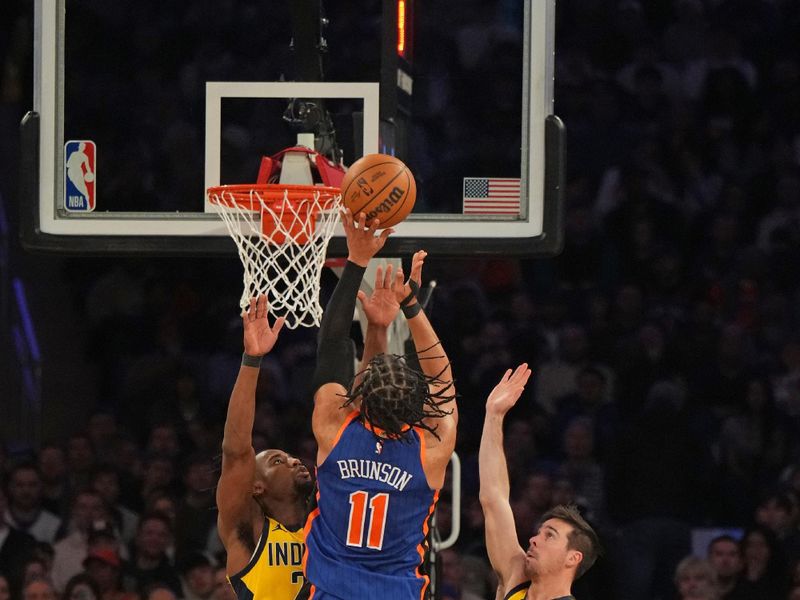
(664, 338)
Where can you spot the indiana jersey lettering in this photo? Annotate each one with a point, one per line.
(366, 539)
(275, 572)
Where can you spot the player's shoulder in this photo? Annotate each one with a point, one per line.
(517, 591)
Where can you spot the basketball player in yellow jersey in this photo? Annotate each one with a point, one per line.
(263, 499)
(565, 545)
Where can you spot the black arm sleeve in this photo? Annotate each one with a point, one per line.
(335, 355)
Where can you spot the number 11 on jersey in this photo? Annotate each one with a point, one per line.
(378, 505)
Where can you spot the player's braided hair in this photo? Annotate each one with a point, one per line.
(395, 396)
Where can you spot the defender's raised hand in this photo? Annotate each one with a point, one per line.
(362, 241)
(259, 337)
(407, 289)
(506, 393)
(382, 306)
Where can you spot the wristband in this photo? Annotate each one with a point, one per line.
(413, 294)
(411, 311)
(251, 361)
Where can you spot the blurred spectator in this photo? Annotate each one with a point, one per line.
(725, 557)
(81, 587)
(784, 219)
(15, 548)
(532, 501)
(25, 511)
(197, 577)
(589, 401)
(223, 590)
(35, 568)
(159, 591)
(557, 377)
(46, 553)
(163, 441)
(196, 515)
(581, 469)
(787, 382)
(80, 458)
(102, 431)
(87, 511)
(159, 475)
(764, 567)
(53, 469)
(753, 444)
(149, 563)
(126, 458)
(778, 512)
(106, 482)
(39, 589)
(104, 566)
(695, 580)
(452, 577)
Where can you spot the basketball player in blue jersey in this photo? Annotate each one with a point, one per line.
(564, 547)
(263, 499)
(384, 440)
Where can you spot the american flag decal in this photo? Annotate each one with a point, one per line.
(491, 196)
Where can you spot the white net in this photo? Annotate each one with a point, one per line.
(282, 244)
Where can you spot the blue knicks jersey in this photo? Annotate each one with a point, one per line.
(367, 537)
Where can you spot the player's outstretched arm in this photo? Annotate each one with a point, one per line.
(235, 487)
(334, 356)
(435, 364)
(505, 554)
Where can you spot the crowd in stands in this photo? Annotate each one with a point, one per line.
(664, 342)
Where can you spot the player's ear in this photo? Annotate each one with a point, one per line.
(258, 487)
(574, 557)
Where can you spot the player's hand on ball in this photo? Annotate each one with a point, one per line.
(362, 241)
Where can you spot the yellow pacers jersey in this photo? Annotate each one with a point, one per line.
(275, 572)
(519, 592)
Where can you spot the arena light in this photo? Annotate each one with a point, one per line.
(401, 27)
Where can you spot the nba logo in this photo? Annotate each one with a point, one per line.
(79, 175)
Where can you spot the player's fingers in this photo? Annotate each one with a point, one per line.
(362, 297)
(384, 234)
(379, 277)
(251, 310)
(347, 219)
(373, 226)
(397, 283)
(387, 279)
(519, 372)
(278, 325)
(362, 219)
(261, 306)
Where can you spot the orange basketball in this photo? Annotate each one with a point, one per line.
(380, 186)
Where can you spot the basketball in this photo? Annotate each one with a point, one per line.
(380, 186)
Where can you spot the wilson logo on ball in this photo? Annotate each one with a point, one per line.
(393, 198)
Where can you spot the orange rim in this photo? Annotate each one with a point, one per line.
(241, 194)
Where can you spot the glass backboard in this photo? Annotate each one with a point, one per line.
(140, 106)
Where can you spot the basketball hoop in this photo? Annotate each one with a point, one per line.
(282, 233)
